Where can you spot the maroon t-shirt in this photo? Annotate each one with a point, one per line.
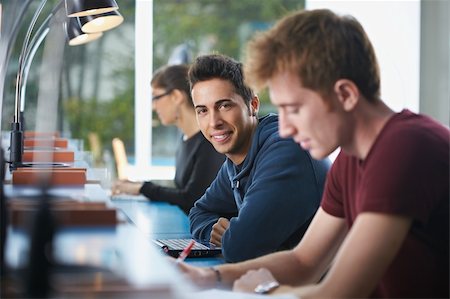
(405, 173)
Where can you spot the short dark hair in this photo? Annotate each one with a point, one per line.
(320, 47)
(219, 66)
(173, 77)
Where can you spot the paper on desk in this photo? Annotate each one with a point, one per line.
(222, 294)
(128, 197)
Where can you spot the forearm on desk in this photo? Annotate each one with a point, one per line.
(217, 202)
(284, 266)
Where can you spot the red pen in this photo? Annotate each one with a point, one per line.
(183, 255)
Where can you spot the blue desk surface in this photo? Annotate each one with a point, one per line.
(154, 220)
(160, 220)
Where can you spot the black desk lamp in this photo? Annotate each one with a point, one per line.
(75, 35)
(101, 22)
(82, 8)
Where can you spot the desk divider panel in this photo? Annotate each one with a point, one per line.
(48, 156)
(67, 212)
(34, 134)
(52, 176)
(46, 142)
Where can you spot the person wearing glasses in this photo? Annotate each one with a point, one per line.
(196, 162)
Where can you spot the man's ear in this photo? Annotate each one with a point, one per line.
(254, 105)
(347, 93)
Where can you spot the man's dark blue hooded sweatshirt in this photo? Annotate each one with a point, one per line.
(270, 198)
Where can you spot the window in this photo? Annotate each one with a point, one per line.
(181, 31)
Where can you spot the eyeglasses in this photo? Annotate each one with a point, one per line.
(157, 97)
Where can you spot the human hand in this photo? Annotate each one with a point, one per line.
(125, 186)
(218, 229)
(250, 280)
(201, 277)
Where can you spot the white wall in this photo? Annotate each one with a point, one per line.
(143, 71)
(394, 30)
(435, 60)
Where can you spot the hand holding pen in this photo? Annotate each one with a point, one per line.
(183, 255)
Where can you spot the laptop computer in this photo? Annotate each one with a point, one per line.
(174, 247)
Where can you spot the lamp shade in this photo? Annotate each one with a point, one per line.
(81, 8)
(101, 22)
(76, 36)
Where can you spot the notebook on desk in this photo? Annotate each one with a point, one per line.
(174, 247)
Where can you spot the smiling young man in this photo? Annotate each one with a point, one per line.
(268, 190)
(383, 226)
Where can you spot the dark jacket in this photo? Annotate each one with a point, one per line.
(270, 198)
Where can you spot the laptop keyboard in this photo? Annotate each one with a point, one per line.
(182, 243)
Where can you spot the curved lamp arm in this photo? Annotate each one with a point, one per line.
(41, 33)
(22, 60)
